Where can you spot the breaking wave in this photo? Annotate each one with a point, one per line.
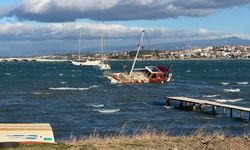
(224, 83)
(73, 89)
(41, 93)
(242, 83)
(168, 107)
(227, 100)
(107, 110)
(96, 105)
(7, 74)
(210, 96)
(231, 90)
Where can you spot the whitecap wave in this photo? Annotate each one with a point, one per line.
(107, 110)
(60, 74)
(168, 107)
(96, 105)
(68, 88)
(41, 93)
(73, 89)
(94, 86)
(224, 83)
(242, 83)
(63, 82)
(231, 90)
(227, 100)
(188, 71)
(7, 74)
(210, 96)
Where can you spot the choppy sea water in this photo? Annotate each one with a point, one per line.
(79, 100)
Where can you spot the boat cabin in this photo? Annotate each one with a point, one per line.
(154, 74)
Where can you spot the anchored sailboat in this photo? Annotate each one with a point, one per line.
(148, 74)
(103, 65)
(88, 61)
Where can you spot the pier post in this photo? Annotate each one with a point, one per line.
(181, 104)
(194, 107)
(213, 109)
(202, 106)
(231, 112)
(167, 102)
(241, 114)
(224, 110)
(248, 116)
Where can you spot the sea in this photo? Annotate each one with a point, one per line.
(80, 101)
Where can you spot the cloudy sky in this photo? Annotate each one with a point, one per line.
(31, 27)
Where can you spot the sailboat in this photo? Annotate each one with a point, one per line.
(88, 61)
(148, 74)
(103, 65)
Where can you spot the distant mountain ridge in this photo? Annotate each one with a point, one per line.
(231, 41)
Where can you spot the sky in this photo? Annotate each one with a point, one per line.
(35, 27)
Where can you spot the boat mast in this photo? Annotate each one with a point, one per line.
(102, 45)
(138, 49)
(79, 47)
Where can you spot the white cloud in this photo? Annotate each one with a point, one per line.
(203, 31)
(71, 10)
(63, 37)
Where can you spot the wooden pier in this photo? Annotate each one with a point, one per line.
(194, 103)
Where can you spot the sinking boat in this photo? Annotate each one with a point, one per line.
(148, 74)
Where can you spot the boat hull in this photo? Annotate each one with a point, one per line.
(86, 63)
(125, 78)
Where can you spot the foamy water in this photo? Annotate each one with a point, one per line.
(242, 83)
(227, 100)
(96, 105)
(41, 93)
(73, 88)
(210, 96)
(7, 74)
(232, 90)
(224, 83)
(107, 110)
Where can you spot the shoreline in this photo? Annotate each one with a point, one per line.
(113, 60)
(149, 140)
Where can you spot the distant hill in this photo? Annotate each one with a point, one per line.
(231, 41)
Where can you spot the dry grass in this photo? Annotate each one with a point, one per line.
(151, 140)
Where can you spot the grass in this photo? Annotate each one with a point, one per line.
(149, 140)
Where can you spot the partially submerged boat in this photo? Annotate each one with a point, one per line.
(148, 74)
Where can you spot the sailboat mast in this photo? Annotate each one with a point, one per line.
(138, 49)
(102, 44)
(79, 47)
